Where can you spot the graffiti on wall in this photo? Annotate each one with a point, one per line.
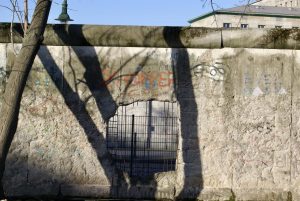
(135, 83)
(38, 81)
(140, 81)
(265, 83)
(2, 72)
(42, 82)
(41, 78)
(216, 71)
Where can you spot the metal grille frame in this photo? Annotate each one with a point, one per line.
(143, 145)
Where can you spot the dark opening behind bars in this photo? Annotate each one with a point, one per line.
(143, 145)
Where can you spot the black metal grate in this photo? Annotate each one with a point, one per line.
(143, 145)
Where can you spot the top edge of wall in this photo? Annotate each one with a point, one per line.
(159, 37)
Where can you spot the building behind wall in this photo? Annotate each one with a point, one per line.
(262, 14)
(279, 3)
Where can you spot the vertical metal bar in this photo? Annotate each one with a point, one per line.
(117, 130)
(166, 125)
(132, 136)
(144, 156)
(149, 130)
(125, 136)
(148, 161)
(108, 135)
(134, 144)
(122, 123)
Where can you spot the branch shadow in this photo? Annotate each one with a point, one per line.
(93, 75)
(94, 80)
(97, 85)
(183, 86)
(77, 107)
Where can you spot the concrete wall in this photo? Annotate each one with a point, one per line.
(252, 21)
(238, 119)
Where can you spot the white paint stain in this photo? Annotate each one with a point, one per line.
(282, 91)
(257, 92)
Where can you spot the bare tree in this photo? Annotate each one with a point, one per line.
(214, 5)
(17, 80)
(15, 11)
(25, 16)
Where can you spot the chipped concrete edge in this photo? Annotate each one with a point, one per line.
(160, 37)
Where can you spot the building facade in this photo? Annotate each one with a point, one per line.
(262, 14)
(278, 3)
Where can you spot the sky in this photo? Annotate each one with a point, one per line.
(126, 12)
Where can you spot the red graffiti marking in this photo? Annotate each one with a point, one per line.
(166, 79)
(144, 80)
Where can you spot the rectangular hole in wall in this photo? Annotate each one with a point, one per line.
(142, 138)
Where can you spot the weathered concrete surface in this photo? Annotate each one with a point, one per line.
(161, 37)
(120, 36)
(239, 122)
(69, 94)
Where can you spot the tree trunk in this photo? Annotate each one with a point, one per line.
(25, 16)
(18, 77)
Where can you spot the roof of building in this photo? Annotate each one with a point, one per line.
(255, 10)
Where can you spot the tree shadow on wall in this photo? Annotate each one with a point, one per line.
(97, 85)
(79, 111)
(190, 163)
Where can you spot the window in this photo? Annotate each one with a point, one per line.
(261, 26)
(278, 27)
(226, 25)
(244, 26)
